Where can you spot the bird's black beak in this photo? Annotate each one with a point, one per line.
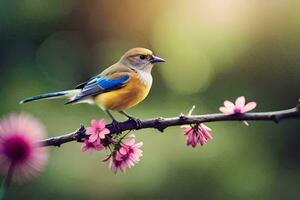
(156, 59)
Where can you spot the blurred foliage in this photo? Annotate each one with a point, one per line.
(215, 50)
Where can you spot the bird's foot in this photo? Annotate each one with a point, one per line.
(138, 122)
(116, 125)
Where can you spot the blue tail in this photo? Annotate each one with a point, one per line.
(52, 95)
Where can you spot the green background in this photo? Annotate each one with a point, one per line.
(215, 50)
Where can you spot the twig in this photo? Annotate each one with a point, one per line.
(163, 123)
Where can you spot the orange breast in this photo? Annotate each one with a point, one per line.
(126, 97)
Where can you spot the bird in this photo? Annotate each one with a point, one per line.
(118, 88)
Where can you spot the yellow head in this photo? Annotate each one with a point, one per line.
(140, 59)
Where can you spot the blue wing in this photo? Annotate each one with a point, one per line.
(100, 84)
(112, 84)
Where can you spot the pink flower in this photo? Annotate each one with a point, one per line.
(91, 146)
(127, 155)
(19, 150)
(197, 135)
(97, 131)
(239, 107)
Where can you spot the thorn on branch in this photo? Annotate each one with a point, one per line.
(182, 117)
(158, 124)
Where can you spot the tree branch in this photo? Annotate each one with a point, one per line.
(163, 123)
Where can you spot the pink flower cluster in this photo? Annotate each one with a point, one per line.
(198, 134)
(96, 132)
(126, 152)
(127, 155)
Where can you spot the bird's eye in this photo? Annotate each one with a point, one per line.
(142, 57)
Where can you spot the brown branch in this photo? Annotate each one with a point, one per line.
(163, 123)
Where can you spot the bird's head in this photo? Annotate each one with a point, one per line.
(140, 59)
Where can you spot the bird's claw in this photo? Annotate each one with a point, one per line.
(116, 126)
(138, 122)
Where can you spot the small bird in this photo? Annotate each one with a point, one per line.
(119, 87)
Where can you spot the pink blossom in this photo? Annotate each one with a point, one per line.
(19, 150)
(127, 155)
(97, 130)
(88, 146)
(230, 108)
(239, 107)
(197, 135)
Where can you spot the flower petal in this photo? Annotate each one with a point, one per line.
(93, 138)
(249, 106)
(240, 102)
(206, 135)
(205, 127)
(138, 145)
(202, 140)
(101, 124)
(226, 110)
(130, 142)
(84, 148)
(103, 132)
(188, 130)
(94, 123)
(90, 131)
(123, 150)
(229, 105)
(119, 157)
